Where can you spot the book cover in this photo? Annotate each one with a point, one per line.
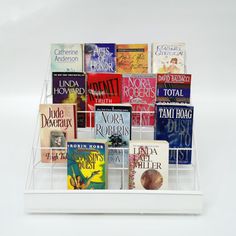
(174, 123)
(168, 58)
(70, 87)
(100, 57)
(173, 88)
(148, 164)
(113, 123)
(102, 88)
(67, 57)
(57, 125)
(86, 164)
(132, 58)
(140, 91)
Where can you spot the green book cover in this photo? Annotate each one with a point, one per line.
(86, 164)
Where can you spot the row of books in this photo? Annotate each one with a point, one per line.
(142, 91)
(88, 160)
(107, 86)
(120, 58)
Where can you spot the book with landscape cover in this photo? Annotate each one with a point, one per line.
(132, 58)
(70, 87)
(174, 123)
(100, 57)
(58, 123)
(67, 57)
(140, 91)
(148, 164)
(87, 164)
(168, 58)
(102, 88)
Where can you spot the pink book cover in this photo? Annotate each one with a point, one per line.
(140, 91)
(58, 124)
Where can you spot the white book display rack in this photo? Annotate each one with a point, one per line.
(46, 184)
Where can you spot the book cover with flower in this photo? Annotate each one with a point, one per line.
(168, 58)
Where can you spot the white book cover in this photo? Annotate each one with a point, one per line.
(148, 164)
(168, 58)
(67, 57)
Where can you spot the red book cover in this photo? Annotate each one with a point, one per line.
(174, 78)
(102, 88)
(140, 91)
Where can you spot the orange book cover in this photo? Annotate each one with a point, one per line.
(58, 123)
(132, 58)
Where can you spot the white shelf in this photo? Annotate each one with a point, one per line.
(46, 187)
(114, 201)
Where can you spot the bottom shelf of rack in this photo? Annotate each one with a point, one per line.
(114, 201)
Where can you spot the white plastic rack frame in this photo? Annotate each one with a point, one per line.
(46, 184)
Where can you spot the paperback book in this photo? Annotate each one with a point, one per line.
(100, 57)
(168, 58)
(132, 58)
(66, 57)
(113, 123)
(57, 125)
(173, 88)
(140, 91)
(87, 164)
(174, 123)
(148, 164)
(102, 88)
(70, 87)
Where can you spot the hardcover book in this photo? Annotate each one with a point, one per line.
(113, 123)
(140, 91)
(66, 57)
(57, 125)
(132, 58)
(173, 88)
(87, 164)
(100, 57)
(102, 88)
(148, 164)
(168, 58)
(70, 87)
(174, 123)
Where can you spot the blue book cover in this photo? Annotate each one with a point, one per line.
(174, 123)
(100, 57)
(87, 164)
(113, 123)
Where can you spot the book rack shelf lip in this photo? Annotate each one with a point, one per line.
(114, 202)
(117, 192)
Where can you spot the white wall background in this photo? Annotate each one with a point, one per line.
(27, 27)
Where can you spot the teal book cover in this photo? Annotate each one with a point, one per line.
(67, 57)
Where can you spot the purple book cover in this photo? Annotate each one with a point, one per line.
(69, 87)
(100, 57)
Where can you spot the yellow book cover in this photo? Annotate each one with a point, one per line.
(132, 58)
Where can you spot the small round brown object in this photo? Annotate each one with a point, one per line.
(151, 179)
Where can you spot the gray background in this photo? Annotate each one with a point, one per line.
(207, 27)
